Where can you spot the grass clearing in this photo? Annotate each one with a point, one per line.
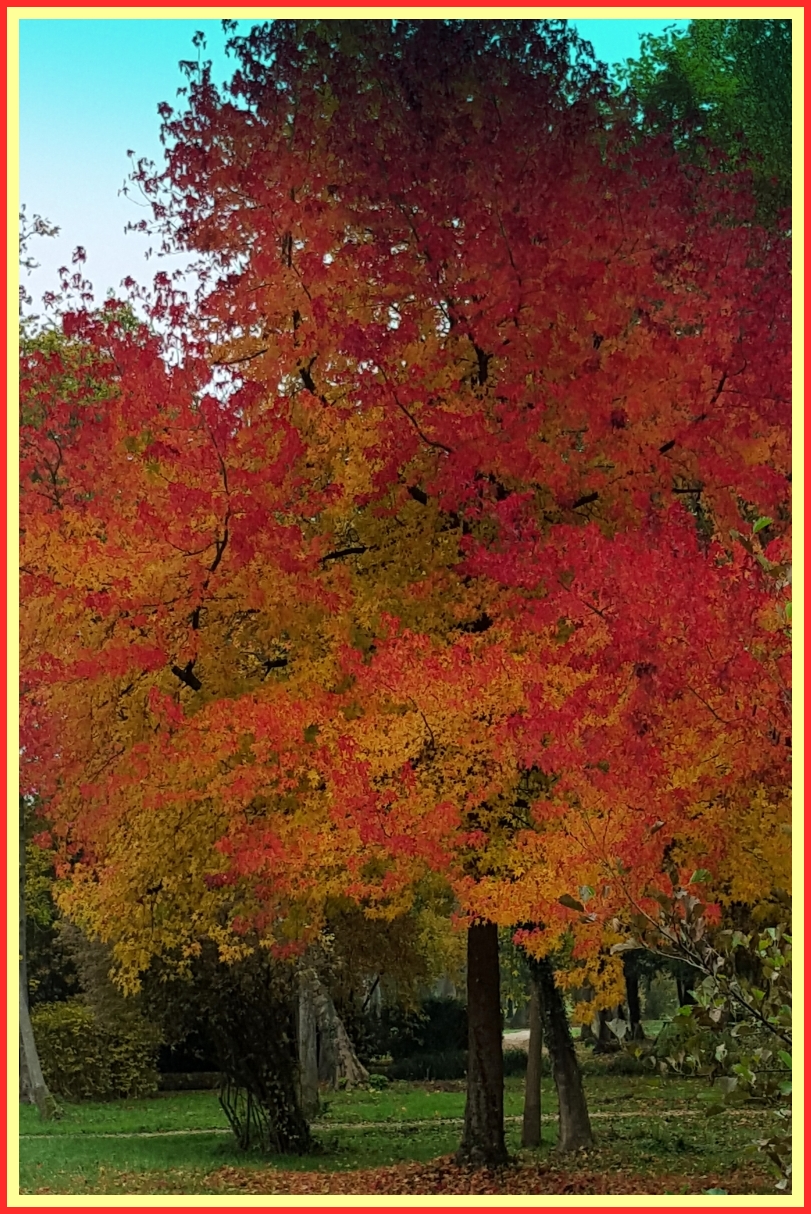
(649, 1131)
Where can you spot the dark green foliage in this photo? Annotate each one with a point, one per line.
(447, 1064)
(243, 1016)
(50, 967)
(737, 1029)
(438, 1026)
(723, 84)
(189, 1081)
(515, 1063)
(195, 1053)
(620, 1063)
(452, 1064)
(85, 1060)
(661, 998)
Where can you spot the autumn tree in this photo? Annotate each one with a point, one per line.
(411, 566)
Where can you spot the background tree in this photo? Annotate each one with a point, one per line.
(32, 1083)
(724, 84)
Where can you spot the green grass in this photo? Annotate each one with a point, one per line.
(630, 1120)
(165, 1111)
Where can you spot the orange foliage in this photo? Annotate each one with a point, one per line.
(422, 558)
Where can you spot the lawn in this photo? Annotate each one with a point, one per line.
(652, 1136)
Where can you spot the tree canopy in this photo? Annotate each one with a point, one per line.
(441, 559)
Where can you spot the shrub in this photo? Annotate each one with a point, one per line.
(452, 1064)
(515, 1062)
(661, 997)
(439, 1026)
(83, 1060)
(449, 1064)
(620, 1063)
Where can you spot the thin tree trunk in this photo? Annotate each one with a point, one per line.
(531, 1128)
(605, 1042)
(584, 994)
(26, 1091)
(632, 996)
(483, 1137)
(41, 1097)
(307, 1050)
(684, 988)
(574, 1127)
(33, 1088)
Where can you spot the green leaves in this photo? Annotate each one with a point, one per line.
(739, 1028)
(729, 82)
(84, 1060)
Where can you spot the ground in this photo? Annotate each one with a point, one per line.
(652, 1136)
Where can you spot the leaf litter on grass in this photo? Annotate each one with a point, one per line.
(444, 1176)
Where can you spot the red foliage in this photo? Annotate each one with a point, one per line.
(493, 390)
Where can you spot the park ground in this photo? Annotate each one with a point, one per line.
(652, 1136)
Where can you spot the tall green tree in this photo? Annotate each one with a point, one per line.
(726, 83)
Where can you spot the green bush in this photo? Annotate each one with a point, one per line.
(438, 1026)
(449, 1064)
(452, 1064)
(515, 1062)
(621, 1063)
(661, 997)
(83, 1060)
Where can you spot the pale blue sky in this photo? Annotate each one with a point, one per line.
(89, 91)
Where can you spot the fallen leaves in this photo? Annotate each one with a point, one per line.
(444, 1176)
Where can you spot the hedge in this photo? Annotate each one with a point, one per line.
(84, 1060)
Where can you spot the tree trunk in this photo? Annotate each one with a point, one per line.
(26, 1091)
(684, 988)
(40, 1096)
(632, 996)
(605, 1042)
(483, 1137)
(584, 994)
(33, 1088)
(531, 1128)
(307, 1050)
(346, 1069)
(574, 1128)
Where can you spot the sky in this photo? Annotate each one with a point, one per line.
(89, 91)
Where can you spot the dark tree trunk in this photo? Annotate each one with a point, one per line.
(483, 1138)
(307, 1050)
(632, 996)
(587, 1034)
(531, 1128)
(684, 988)
(584, 994)
(574, 1128)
